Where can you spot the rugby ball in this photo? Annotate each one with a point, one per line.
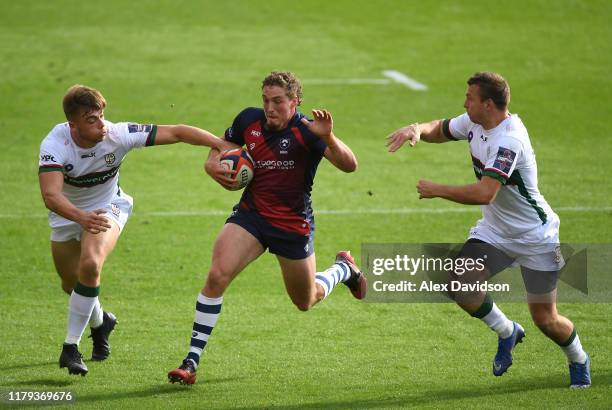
(240, 161)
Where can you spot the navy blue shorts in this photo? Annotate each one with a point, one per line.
(290, 245)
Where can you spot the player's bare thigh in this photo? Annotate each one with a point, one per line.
(66, 256)
(299, 277)
(95, 248)
(234, 249)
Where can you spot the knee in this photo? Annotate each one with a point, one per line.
(216, 281)
(544, 322)
(302, 306)
(90, 267)
(67, 286)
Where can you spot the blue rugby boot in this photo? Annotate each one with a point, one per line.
(503, 357)
(580, 374)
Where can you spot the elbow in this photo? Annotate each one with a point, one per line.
(48, 200)
(487, 198)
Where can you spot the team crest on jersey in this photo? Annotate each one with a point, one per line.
(284, 144)
(115, 210)
(139, 128)
(110, 159)
(504, 160)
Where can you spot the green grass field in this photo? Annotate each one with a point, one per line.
(200, 63)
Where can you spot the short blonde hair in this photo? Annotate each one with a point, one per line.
(286, 80)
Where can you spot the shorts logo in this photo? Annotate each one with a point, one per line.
(504, 160)
(115, 210)
(139, 128)
(306, 248)
(110, 159)
(558, 255)
(284, 144)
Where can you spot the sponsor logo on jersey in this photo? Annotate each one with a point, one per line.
(275, 164)
(110, 159)
(90, 155)
(139, 128)
(482, 137)
(45, 158)
(284, 144)
(115, 210)
(252, 146)
(255, 133)
(504, 160)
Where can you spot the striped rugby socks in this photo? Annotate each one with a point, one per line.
(338, 272)
(206, 316)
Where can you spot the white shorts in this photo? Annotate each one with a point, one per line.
(538, 249)
(117, 211)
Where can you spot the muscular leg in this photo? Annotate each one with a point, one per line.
(234, 249)
(94, 250)
(545, 316)
(66, 257)
(299, 277)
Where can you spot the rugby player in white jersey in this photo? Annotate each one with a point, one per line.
(78, 175)
(518, 225)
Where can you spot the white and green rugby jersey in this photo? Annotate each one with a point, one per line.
(91, 175)
(505, 153)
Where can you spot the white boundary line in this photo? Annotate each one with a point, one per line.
(404, 79)
(393, 76)
(375, 211)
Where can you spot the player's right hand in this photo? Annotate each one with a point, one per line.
(219, 173)
(94, 223)
(410, 133)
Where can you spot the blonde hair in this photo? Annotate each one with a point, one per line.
(286, 80)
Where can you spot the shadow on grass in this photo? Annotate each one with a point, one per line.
(443, 396)
(44, 382)
(28, 365)
(153, 390)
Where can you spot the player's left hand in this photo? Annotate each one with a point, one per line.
(427, 189)
(322, 125)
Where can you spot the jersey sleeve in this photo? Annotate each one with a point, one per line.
(235, 133)
(503, 159)
(51, 157)
(457, 128)
(132, 135)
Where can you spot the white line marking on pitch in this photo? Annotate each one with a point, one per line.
(404, 79)
(374, 211)
(393, 77)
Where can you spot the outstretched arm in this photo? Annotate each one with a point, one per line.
(482, 192)
(171, 134)
(428, 132)
(337, 152)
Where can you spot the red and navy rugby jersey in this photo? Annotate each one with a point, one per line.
(285, 165)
